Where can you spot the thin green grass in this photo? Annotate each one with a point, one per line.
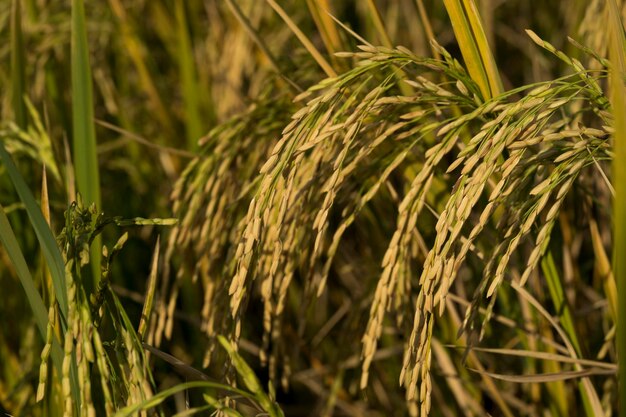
(189, 87)
(617, 93)
(44, 234)
(590, 397)
(10, 243)
(18, 66)
(85, 157)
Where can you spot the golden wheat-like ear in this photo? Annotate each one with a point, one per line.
(500, 151)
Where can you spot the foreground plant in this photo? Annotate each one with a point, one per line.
(493, 174)
(98, 331)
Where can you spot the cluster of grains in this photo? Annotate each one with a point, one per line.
(593, 30)
(123, 379)
(545, 158)
(273, 226)
(135, 374)
(536, 144)
(212, 198)
(325, 144)
(45, 354)
(270, 208)
(77, 349)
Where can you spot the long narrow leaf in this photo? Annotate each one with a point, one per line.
(7, 237)
(465, 39)
(133, 409)
(44, 234)
(190, 86)
(472, 41)
(84, 133)
(540, 378)
(146, 312)
(618, 101)
(378, 24)
(250, 379)
(138, 55)
(557, 295)
(18, 75)
(482, 44)
(9, 241)
(254, 35)
(321, 61)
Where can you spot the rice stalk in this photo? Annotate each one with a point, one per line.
(590, 397)
(428, 30)
(378, 24)
(10, 243)
(147, 310)
(321, 13)
(318, 147)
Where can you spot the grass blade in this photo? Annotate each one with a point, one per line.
(428, 29)
(589, 395)
(378, 24)
(542, 378)
(190, 86)
(254, 35)
(547, 356)
(18, 67)
(472, 41)
(146, 313)
(54, 261)
(602, 269)
(328, 31)
(9, 241)
(321, 61)
(84, 132)
(617, 91)
(250, 379)
(471, 56)
(137, 53)
(480, 38)
(133, 409)
(44, 234)
(557, 294)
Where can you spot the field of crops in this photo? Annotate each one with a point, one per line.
(312, 208)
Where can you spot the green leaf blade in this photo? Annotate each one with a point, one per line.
(48, 243)
(84, 133)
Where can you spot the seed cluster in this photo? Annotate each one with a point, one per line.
(271, 207)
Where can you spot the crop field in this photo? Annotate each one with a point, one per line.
(312, 208)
